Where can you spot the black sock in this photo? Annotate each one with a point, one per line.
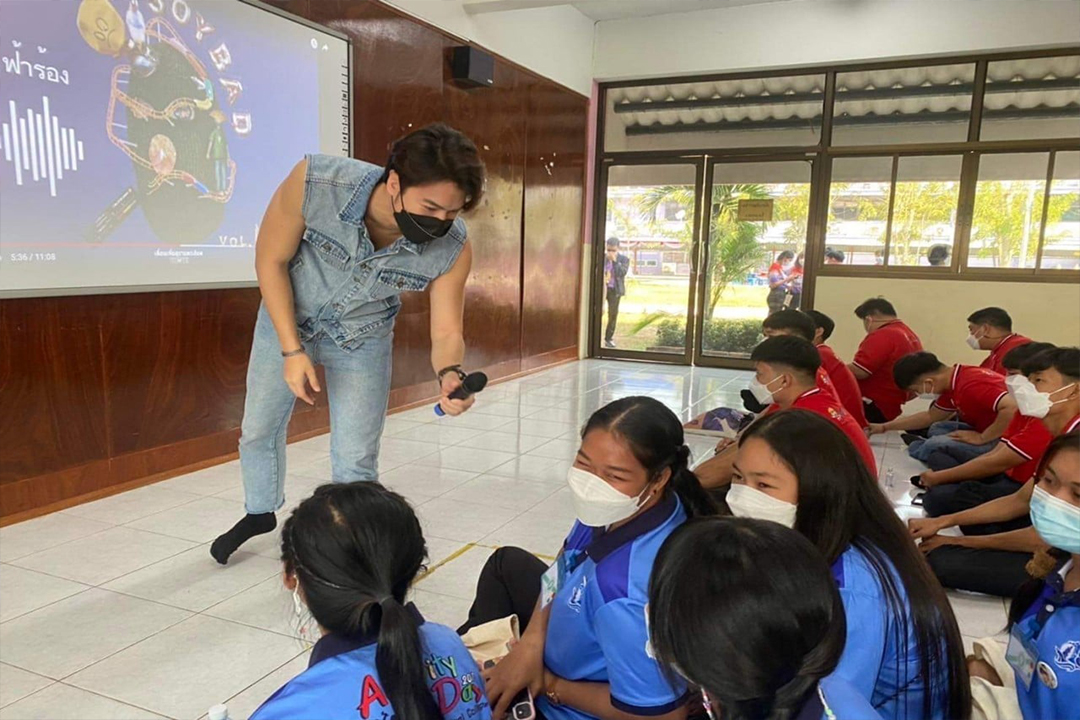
(247, 528)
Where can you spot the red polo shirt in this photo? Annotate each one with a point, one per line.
(1028, 438)
(818, 401)
(975, 395)
(993, 360)
(843, 383)
(1071, 425)
(877, 354)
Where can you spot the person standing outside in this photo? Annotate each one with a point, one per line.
(780, 279)
(339, 243)
(616, 266)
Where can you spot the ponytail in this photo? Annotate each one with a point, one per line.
(400, 662)
(355, 549)
(685, 483)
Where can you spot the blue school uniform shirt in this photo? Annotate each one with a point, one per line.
(874, 660)
(341, 682)
(597, 627)
(1052, 624)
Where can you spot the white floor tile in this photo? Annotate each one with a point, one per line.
(184, 670)
(476, 421)
(498, 491)
(32, 536)
(536, 533)
(504, 442)
(209, 481)
(23, 591)
(548, 429)
(395, 452)
(132, 505)
(457, 578)
(508, 409)
(560, 449)
(442, 434)
(194, 581)
(420, 483)
(15, 684)
(241, 706)
(63, 702)
(978, 615)
(533, 468)
(461, 521)
(71, 634)
(267, 606)
(470, 459)
(199, 521)
(394, 425)
(442, 609)
(439, 549)
(107, 555)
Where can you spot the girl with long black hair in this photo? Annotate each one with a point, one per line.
(584, 652)
(350, 553)
(904, 650)
(747, 611)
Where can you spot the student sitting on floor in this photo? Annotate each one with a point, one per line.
(977, 397)
(585, 650)
(843, 380)
(785, 369)
(350, 552)
(726, 593)
(903, 652)
(887, 340)
(958, 486)
(1038, 676)
(990, 557)
(991, 329)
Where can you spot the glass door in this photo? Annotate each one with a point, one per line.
(644, 271)
(752, 261)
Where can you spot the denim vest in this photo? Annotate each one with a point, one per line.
(342, 286)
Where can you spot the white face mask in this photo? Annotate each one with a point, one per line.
(746, 501)
(306, 625)
(598, 504)
(1031, 402)
(973, 341)
(928, 394)
(761, 392)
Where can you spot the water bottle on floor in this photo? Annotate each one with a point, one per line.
(890, 478)
(218, 712)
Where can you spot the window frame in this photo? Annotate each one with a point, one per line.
(970, 150)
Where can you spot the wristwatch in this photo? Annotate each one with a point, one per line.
(454, 369)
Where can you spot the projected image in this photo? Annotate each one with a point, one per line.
(142, 139)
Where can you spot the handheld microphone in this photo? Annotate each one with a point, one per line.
(472, 384)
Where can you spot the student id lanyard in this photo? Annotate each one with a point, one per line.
(555, 576)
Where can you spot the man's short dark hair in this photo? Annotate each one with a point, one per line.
(878, 305)
(438, 153)
(911, 367)
(992, 316)
(612, 242)
(1066, 360)
(938, 255)
(789, 351)
(792, 321)
(1015, 358)
(833, 254)
(822, 321)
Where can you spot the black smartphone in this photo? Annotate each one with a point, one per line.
(918, 499)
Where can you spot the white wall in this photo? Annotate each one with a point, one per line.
(788, 34)
(937, 310)
(556, 42)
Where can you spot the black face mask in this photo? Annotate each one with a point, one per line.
(420, 229)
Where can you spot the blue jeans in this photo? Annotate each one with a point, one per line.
(939, 439)
(357, 386)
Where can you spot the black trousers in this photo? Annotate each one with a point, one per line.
(613, 299)
(873, 414)
(993, 572)
(509, 584)
(955, 497)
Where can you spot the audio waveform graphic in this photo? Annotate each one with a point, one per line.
(38, 147)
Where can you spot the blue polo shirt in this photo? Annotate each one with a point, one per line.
(874, 655)
(1052, 624)
(597, 627)
(342, 683)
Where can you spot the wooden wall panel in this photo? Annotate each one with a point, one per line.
(554, 199)
(100, 393)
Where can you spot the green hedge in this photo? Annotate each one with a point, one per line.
(733, 336)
